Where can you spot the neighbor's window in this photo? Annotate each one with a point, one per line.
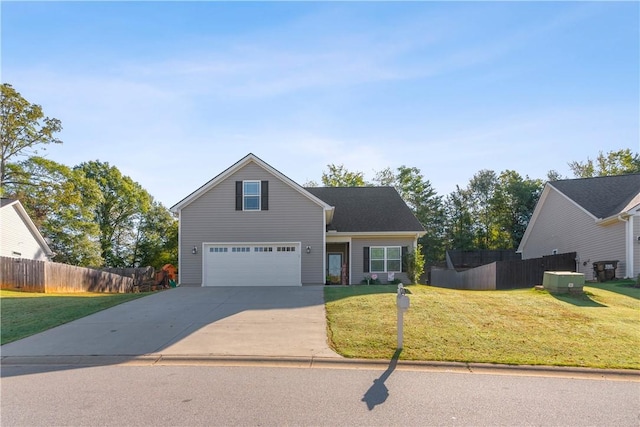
(385, 259)
(251, 195)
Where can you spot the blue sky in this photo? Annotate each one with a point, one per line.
(172, 93)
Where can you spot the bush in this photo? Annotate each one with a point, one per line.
(415, 264)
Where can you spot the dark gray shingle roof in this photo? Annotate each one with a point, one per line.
(603, 196)
(367, 209)
(6, 201)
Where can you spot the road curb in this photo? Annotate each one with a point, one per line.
(322, 362)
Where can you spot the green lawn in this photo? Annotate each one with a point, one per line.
(598, 329)
(23, 314)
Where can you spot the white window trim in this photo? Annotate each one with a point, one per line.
(385, 259)
(259, 195)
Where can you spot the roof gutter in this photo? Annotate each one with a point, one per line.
(621, 217)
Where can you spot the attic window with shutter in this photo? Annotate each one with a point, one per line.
(252, 195)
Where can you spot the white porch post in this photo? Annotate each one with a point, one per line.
(630, 240)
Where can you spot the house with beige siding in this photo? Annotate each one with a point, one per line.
(19, 236)
(598, 218)
(253, 226)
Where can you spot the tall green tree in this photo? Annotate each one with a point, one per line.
(618, 162)
(422, 199)
(385, 178)
(514, 201)
(157, 241)
(119, 214)
(60, 201)
(459, 221)
(339, 176)
(554, 175)
(482, 190)
(23, 130)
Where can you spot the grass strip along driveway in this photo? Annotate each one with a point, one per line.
(600, 329)
(23, 314)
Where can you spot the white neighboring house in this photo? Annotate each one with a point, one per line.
(598, 218)
(19, 236)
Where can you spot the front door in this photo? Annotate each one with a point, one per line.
(334, 268)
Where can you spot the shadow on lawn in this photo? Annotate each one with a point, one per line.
(622, 287)
(335, 293)
(579, 300)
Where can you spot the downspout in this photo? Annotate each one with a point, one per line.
(629, 273)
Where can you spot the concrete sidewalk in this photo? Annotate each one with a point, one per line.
(194, 321)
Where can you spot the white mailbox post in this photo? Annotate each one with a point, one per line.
(402, 302)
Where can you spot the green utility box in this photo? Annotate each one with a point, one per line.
(562, 282)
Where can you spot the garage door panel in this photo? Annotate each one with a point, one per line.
(256, 264)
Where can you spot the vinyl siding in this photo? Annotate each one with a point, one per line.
(564, 226)
(17, 240)
(291, 217)
(357, 259)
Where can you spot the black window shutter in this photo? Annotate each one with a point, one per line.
(365, 262)
(238, 195)
(405, 252)
(264, 195)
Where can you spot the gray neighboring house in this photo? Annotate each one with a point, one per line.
(253, 226)
(599, 218)
(19, 236)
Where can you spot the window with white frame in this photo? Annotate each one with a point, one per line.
(385, 259)
(251, 195)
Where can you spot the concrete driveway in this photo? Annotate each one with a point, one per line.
(195, 321)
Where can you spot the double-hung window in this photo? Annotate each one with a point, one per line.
(385, 259)
(251, 195)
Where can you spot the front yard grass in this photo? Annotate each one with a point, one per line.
(23, 314)
(599, 329)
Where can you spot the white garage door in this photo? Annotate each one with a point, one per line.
(254, 264)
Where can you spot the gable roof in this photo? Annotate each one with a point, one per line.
(368, 209)
(602, 197)
(240, 164)
(6, 202)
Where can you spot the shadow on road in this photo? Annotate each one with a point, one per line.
(378, 392)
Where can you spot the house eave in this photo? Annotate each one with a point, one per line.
(416, 234)
(238, 165)
(621, 217)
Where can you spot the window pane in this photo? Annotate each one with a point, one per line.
(377, 266)
(394, 253)
(251, 188)
(393, 265)
(377, 253)
(251, 203)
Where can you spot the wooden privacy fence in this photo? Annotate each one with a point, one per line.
(471, 259)
(504, 274)
(139, 275)
(479, 278)
(51, 277)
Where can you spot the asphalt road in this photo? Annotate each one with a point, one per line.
(264, 396)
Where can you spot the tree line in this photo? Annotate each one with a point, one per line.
(94, 216)
(90, 214)
(491, 212)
